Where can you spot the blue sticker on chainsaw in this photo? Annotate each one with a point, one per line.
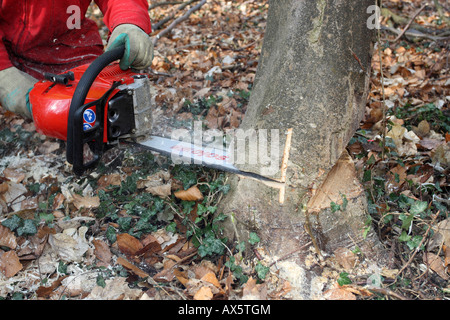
(89, 116)
(86, 126)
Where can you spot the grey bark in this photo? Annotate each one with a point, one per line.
(312, 77)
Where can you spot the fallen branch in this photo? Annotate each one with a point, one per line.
(178, 21)
(162, 22)
(414, 33)
(409, 23)
(160, 4)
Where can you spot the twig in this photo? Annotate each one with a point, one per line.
(409, 23)
(160, 4)
(384, 124)
(183, 5)
(178, 21)
(388, 293)
(418, 247)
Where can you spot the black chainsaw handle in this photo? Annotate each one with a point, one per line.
(81, 92)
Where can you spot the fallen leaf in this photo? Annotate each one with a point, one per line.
(442, 235)
(7, 238)
(128, 244)
(109, 180)
(211, 278)
(115, 289)
(48, 147)
(254, 291)
(338, 294)
(436, 264)
(158, 184)
(204, 293)
(346, 258)
(45, 292)
(181, 276)
(102, 251)
(128, 265)
(191, 194)
(10, 264)
(85, 202)
(441, 154)
(71, 244)
(14, 175)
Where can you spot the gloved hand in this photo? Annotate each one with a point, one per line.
(14, 88)
(138, 46)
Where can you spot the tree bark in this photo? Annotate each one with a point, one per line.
(313, 78)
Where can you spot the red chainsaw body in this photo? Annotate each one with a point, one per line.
(51, 101)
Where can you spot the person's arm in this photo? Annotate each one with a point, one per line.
(117, 12)
(14, 84)
(14, 88)
(129, 24)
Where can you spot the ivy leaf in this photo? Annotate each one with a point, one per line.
(253, 238)
(28, 228)
(210, 246)
(404, 237)
(12, 223)
(261, 270)
(111, 234)
(418, 207)
(343, 279)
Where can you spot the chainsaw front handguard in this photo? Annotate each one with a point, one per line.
(92, 137)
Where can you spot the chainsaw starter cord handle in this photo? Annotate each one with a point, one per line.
(82, 90)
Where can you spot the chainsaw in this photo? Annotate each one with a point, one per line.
(101, 106)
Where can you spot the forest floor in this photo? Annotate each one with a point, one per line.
(140, 227)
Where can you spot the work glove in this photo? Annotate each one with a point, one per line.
(14, 88)
(138, 46)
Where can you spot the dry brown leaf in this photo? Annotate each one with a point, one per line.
(102, 251)
(85, 202)
(109, 179)
(3, 187)
(181, 276)
(252, 290)
(115, 289)
(10, 264)
(14, 175)
(447, 255)
(204, 293)
(436, 264)
(158, 184)
(7, 238)
(44, 292)
(48, 147)
(128, 265)
(71, 244)
(191, 194)
(211, 278)
(338, 294)
(346, 258)
(128, 244)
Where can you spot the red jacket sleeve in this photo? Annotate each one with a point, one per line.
(5, 62)
(117, 12)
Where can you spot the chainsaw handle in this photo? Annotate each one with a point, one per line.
(79, 97)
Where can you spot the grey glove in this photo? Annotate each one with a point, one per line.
(138, 46)
(14, 88)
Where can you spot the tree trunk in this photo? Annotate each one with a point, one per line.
(313, 78)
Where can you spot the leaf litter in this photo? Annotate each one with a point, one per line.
(145, 229)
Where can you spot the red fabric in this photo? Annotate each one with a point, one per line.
(36, 39)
